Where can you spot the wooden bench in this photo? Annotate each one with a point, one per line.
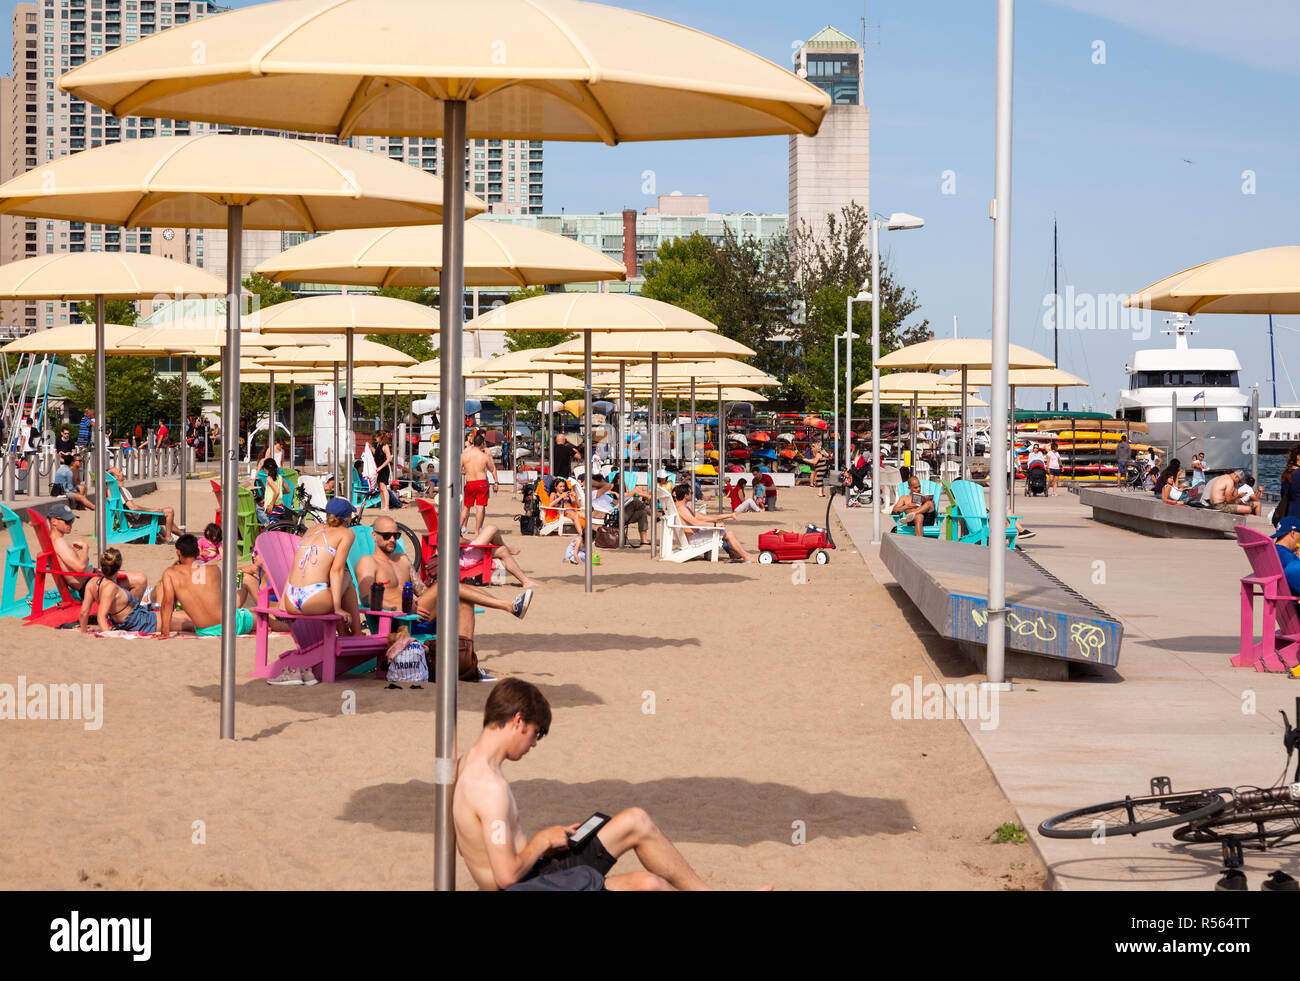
(1145, 513)
(1048, 627)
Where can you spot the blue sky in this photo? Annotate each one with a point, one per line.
(1100, 147)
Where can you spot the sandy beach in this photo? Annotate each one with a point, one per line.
(746, 711)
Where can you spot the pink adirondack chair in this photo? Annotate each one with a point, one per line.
(319, 645)
(1279, 646)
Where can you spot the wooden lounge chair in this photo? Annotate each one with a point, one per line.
(971, 509)
(319, 645)
(479, 573)
(904, 527)
(125, 525)
(1278, 648)
(675, 545)
(19, 566)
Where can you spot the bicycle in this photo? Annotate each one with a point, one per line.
(294, 521)
(1233, 817)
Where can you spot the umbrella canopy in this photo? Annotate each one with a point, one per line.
(523, 362)
(708, 372)
(1262, 281)
(555, 69)
(431, 370)
(496, 254)
(562, 312)
(1020, 377)
(954, 352)
(641, 345)
(188, 182)
(925, 401)
(202, 339)
(915, 381)
(530, 385)
(113, 275)
(365, 352)
(340, 313)
(72, 339)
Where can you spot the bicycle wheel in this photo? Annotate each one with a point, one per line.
(1260, 828)
(411, 546)
(1133, 815)
(290, 525)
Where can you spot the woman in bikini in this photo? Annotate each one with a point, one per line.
(318, 578)
(119, 609)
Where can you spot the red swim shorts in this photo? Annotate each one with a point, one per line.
(476, 494)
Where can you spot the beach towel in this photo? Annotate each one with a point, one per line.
(368, 468)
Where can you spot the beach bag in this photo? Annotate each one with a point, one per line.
(1279, 512)
(605, 537)
(466, 660)
(527, 524)
(409, 664)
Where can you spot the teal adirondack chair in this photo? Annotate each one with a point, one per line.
(19, 566)
(120, 530)
(904, 527)
(972, 511)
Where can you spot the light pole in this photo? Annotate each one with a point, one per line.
(898, 221)
(848, 337)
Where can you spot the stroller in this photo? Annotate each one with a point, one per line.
(857, 485)
(1036, 479)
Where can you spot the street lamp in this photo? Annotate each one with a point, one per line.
(848, 337)
(898, 221)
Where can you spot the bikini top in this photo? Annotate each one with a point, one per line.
(311, 551)
(132, 601)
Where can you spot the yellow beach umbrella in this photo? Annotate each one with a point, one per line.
(1020, 378)
(1265, 281)
(496, 254)
(914, 381)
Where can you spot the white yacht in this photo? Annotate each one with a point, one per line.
(1205, 381)
(1279, 427)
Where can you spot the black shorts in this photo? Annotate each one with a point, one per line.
(592, 854)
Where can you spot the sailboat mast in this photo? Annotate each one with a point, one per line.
(1056, 323)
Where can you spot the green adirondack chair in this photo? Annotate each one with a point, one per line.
(933, 489)
(971, 510)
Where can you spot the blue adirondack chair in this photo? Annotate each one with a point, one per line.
(19, 566)
(970, 508)
(120, 530)
(904, 527)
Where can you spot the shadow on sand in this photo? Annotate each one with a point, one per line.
(704, 810)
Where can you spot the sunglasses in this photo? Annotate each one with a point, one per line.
(386, 535)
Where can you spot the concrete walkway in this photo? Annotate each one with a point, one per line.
(1175, 707)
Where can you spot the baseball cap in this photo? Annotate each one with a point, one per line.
(340, 507)
(1286, 526)
(64, 513)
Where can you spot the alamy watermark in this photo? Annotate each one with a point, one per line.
(956, 700)
(83, 702)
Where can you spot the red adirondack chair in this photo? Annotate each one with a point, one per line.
(479, 573)
(1279, 646)
(48, 564)
(216, 489)
(319, 645)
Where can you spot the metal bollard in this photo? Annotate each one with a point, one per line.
(7, 464)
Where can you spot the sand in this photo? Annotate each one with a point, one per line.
(748, 712)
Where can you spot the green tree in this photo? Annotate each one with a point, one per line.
(121, 312)
(167, 392)
(265, 292)
(685, 273)
(130, 395)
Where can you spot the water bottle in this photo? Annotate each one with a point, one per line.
(377, 595)
(408, 598)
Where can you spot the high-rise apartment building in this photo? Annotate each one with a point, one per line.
(831, 169)
(38, 124)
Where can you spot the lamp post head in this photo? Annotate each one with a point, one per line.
(863, 297)
(902, 220)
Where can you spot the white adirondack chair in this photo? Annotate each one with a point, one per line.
(675, 545)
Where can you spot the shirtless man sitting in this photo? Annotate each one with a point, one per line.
(915, 506)
(475, 465)
(688, 517)
(491, 839)
(75, 556)
(197, 587)
(1222, 494)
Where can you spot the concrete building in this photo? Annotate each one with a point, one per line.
(832, 169)
(38, 124)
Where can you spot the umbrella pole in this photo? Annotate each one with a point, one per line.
(1011, 428)
(292, 450)
(185, 422)
(586, 453)
(350, 439)
(651, 485)
(334, 449)
(270, 421)
(101, 456)
(550, 424)
(693, 464)
(963, 422)
(451, 317)
(229, 465)
(722, 451)
(623, 448)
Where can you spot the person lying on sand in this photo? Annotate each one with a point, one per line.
(491, 839)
